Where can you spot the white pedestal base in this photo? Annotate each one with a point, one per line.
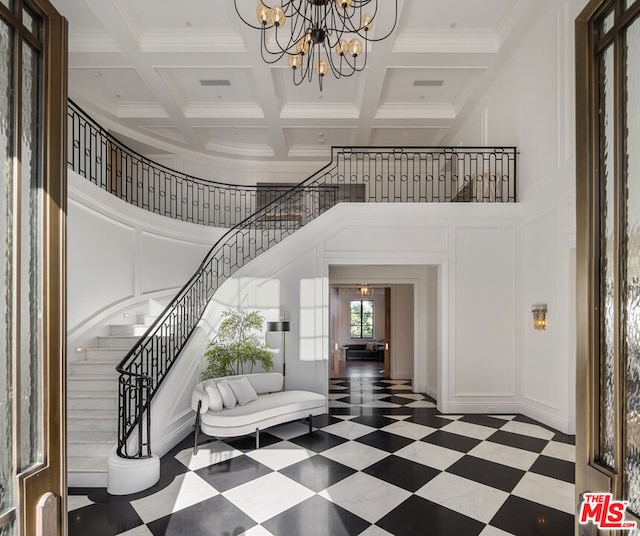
(131, 476)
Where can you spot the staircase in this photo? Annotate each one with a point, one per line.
(92, 403)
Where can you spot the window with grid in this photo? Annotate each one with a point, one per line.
(361, 319)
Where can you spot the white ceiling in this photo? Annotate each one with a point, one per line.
(137, 66)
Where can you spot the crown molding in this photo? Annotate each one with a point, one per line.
(310, 151)
(319, 111)
(167, 132)
(191, 41)
(203, 110)
(93, 41)
(415, 111)
(453, 41)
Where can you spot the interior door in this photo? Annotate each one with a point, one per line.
(608, 258)
(32, 248)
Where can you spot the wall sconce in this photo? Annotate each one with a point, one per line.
(539, 311)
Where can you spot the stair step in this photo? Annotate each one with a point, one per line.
(87, 464)
(127, 330)
(117, 341)
(90, 400)
(114, 355)
(145, 320)
(90, 444)
(92, 421)
(93, 367)
(99, 382)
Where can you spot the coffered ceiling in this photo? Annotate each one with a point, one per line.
(151, 70)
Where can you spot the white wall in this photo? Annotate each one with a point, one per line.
(531, 104)
(122, 258)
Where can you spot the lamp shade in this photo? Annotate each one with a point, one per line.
(282, 325)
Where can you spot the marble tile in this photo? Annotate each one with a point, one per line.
(267, 496)
(465, 496)
(142, 530)
(355, 455)
(374, 498)
(409, 429)
(374, 530)
(77, 501)
(289, 430)
(380, 404)
(338, 404)
(513, 457)
(420, 404)
(493, 531)
(258, 530)
(451, 441)
(561, 451)
(548, 491)
(400, 387)
(349, 430)
(430, 455)
(280, 455)
(186, 490)
(208, 454)
(468, 429)
(337, 396)
(527, 429)
(414, 396)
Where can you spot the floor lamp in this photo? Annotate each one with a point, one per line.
(281, 326)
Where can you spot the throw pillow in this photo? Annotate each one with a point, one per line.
(215, 398)
(243, 390)
(228, 398)
(370, 346)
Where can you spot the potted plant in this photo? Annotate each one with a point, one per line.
(235, 348)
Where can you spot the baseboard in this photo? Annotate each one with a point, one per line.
(545, 418)
(170, 440)
(488, 407)
(432, 392)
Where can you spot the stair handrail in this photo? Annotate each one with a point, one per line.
(357, 174)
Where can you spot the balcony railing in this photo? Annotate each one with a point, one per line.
(260, 217)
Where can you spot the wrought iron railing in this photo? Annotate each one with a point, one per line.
(354, 175)
(426, 174)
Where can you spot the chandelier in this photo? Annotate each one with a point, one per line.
(364, 290)
(318, 36)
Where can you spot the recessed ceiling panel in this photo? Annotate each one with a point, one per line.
(79, 16)
(196, 85)
(315, 141)
(117, 84)
(477, 15)
(342, 91)
(403, 137)
(234, 135)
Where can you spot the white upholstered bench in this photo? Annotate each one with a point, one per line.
(262, 405)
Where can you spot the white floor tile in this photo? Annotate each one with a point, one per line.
(280, 455)
(380, 404)
(470, 430)
(465, 496)
(185, 490)
(208, 454)
(548, 491)
(339, 404)
(374, 530)
(368, 497)
(525, 428)
(142, 530)
(492, 531)
(337, 396)
(409, 429)
(348, 430)
(289, 430)
(420, 404)
(513, 457)
(431, 455)
(77, 501)
(355, 455)
(561, 451)
(258, 530)
(399, 387)
(267, 496)
(412, 396)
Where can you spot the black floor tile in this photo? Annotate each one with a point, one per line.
(525, 518)
(316, 517)
(484, 420)
(214, 517)
(232, 473)
(564, 438)
(418, 516)
(375, 421)
(428, 419)
(248, 442)
(103, 519)
(355, 410)
(386, 411)
(554, 468)
(317, 473)
(394, 399)
(318, 441)
(385, 441)
(532, 444)
(402, 473)
(320, 421)
(489, 473)
(451, 441)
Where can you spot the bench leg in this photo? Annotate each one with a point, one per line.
(310, 419)
(257, 438)
(195, 439)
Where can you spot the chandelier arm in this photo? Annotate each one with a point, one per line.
(273, 57)
(261, 27)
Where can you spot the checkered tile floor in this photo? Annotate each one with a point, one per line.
(383, 461)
